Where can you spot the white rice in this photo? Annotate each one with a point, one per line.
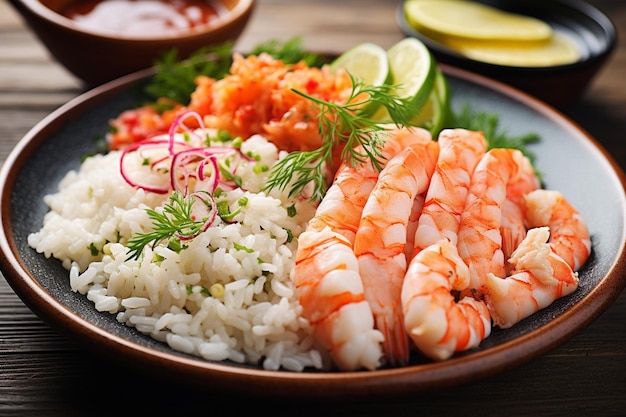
(211, 299)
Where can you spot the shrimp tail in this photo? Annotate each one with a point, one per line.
(329, 287)
(348, 333)
(437, 324)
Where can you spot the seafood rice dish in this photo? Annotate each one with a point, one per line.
(176, 232)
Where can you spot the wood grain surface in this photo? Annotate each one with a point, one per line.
(43, 373)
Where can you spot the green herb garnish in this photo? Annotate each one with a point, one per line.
(228, 175)
(341, 124)
(175, 78)
(175, 221)
(93, 249)
(489, 124)
(223, 210)
(243, 248)
(290, 52)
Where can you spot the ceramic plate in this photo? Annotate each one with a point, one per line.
(569, 159)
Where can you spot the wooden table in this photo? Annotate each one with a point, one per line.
(43, 373)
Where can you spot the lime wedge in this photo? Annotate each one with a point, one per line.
(435, 113)
(472, 20)
(367, 62)
(413, 71)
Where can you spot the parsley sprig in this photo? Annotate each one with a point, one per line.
(175, 78)
(348, 125)
(290, 52)
(497, 137)
(175, 220)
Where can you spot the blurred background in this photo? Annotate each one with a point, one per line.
(23, 59)
(32, 85)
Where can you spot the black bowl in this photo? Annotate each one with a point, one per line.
(559, 85)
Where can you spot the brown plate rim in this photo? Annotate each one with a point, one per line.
(386, 383)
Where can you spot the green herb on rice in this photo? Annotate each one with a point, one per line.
(93, 249)
(174, 222)
(243, 248)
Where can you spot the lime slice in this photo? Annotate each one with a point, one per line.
(412, 69)
(472, 20)
(437, 110)
(413, 72)
(366, 62)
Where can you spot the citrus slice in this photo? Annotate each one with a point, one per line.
(559, 50)
(472, 20)
(366, 62)
(435, 113)
(413, 72)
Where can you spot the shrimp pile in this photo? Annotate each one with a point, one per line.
(256, 97)
(446, 241)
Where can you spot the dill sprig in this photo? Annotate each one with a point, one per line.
(175, 220)
(348, 125)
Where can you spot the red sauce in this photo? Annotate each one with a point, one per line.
(143, 17)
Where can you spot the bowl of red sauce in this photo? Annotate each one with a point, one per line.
(100, 40)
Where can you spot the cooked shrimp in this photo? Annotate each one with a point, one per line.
(326, 274)
(330, 291)
(381, 237)
(569, 236)
(438, 325)
(343, 203)
(513, 228)
(544, 264)
(539, 277)
(459, 152)
(411, 227)
(479, 237)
